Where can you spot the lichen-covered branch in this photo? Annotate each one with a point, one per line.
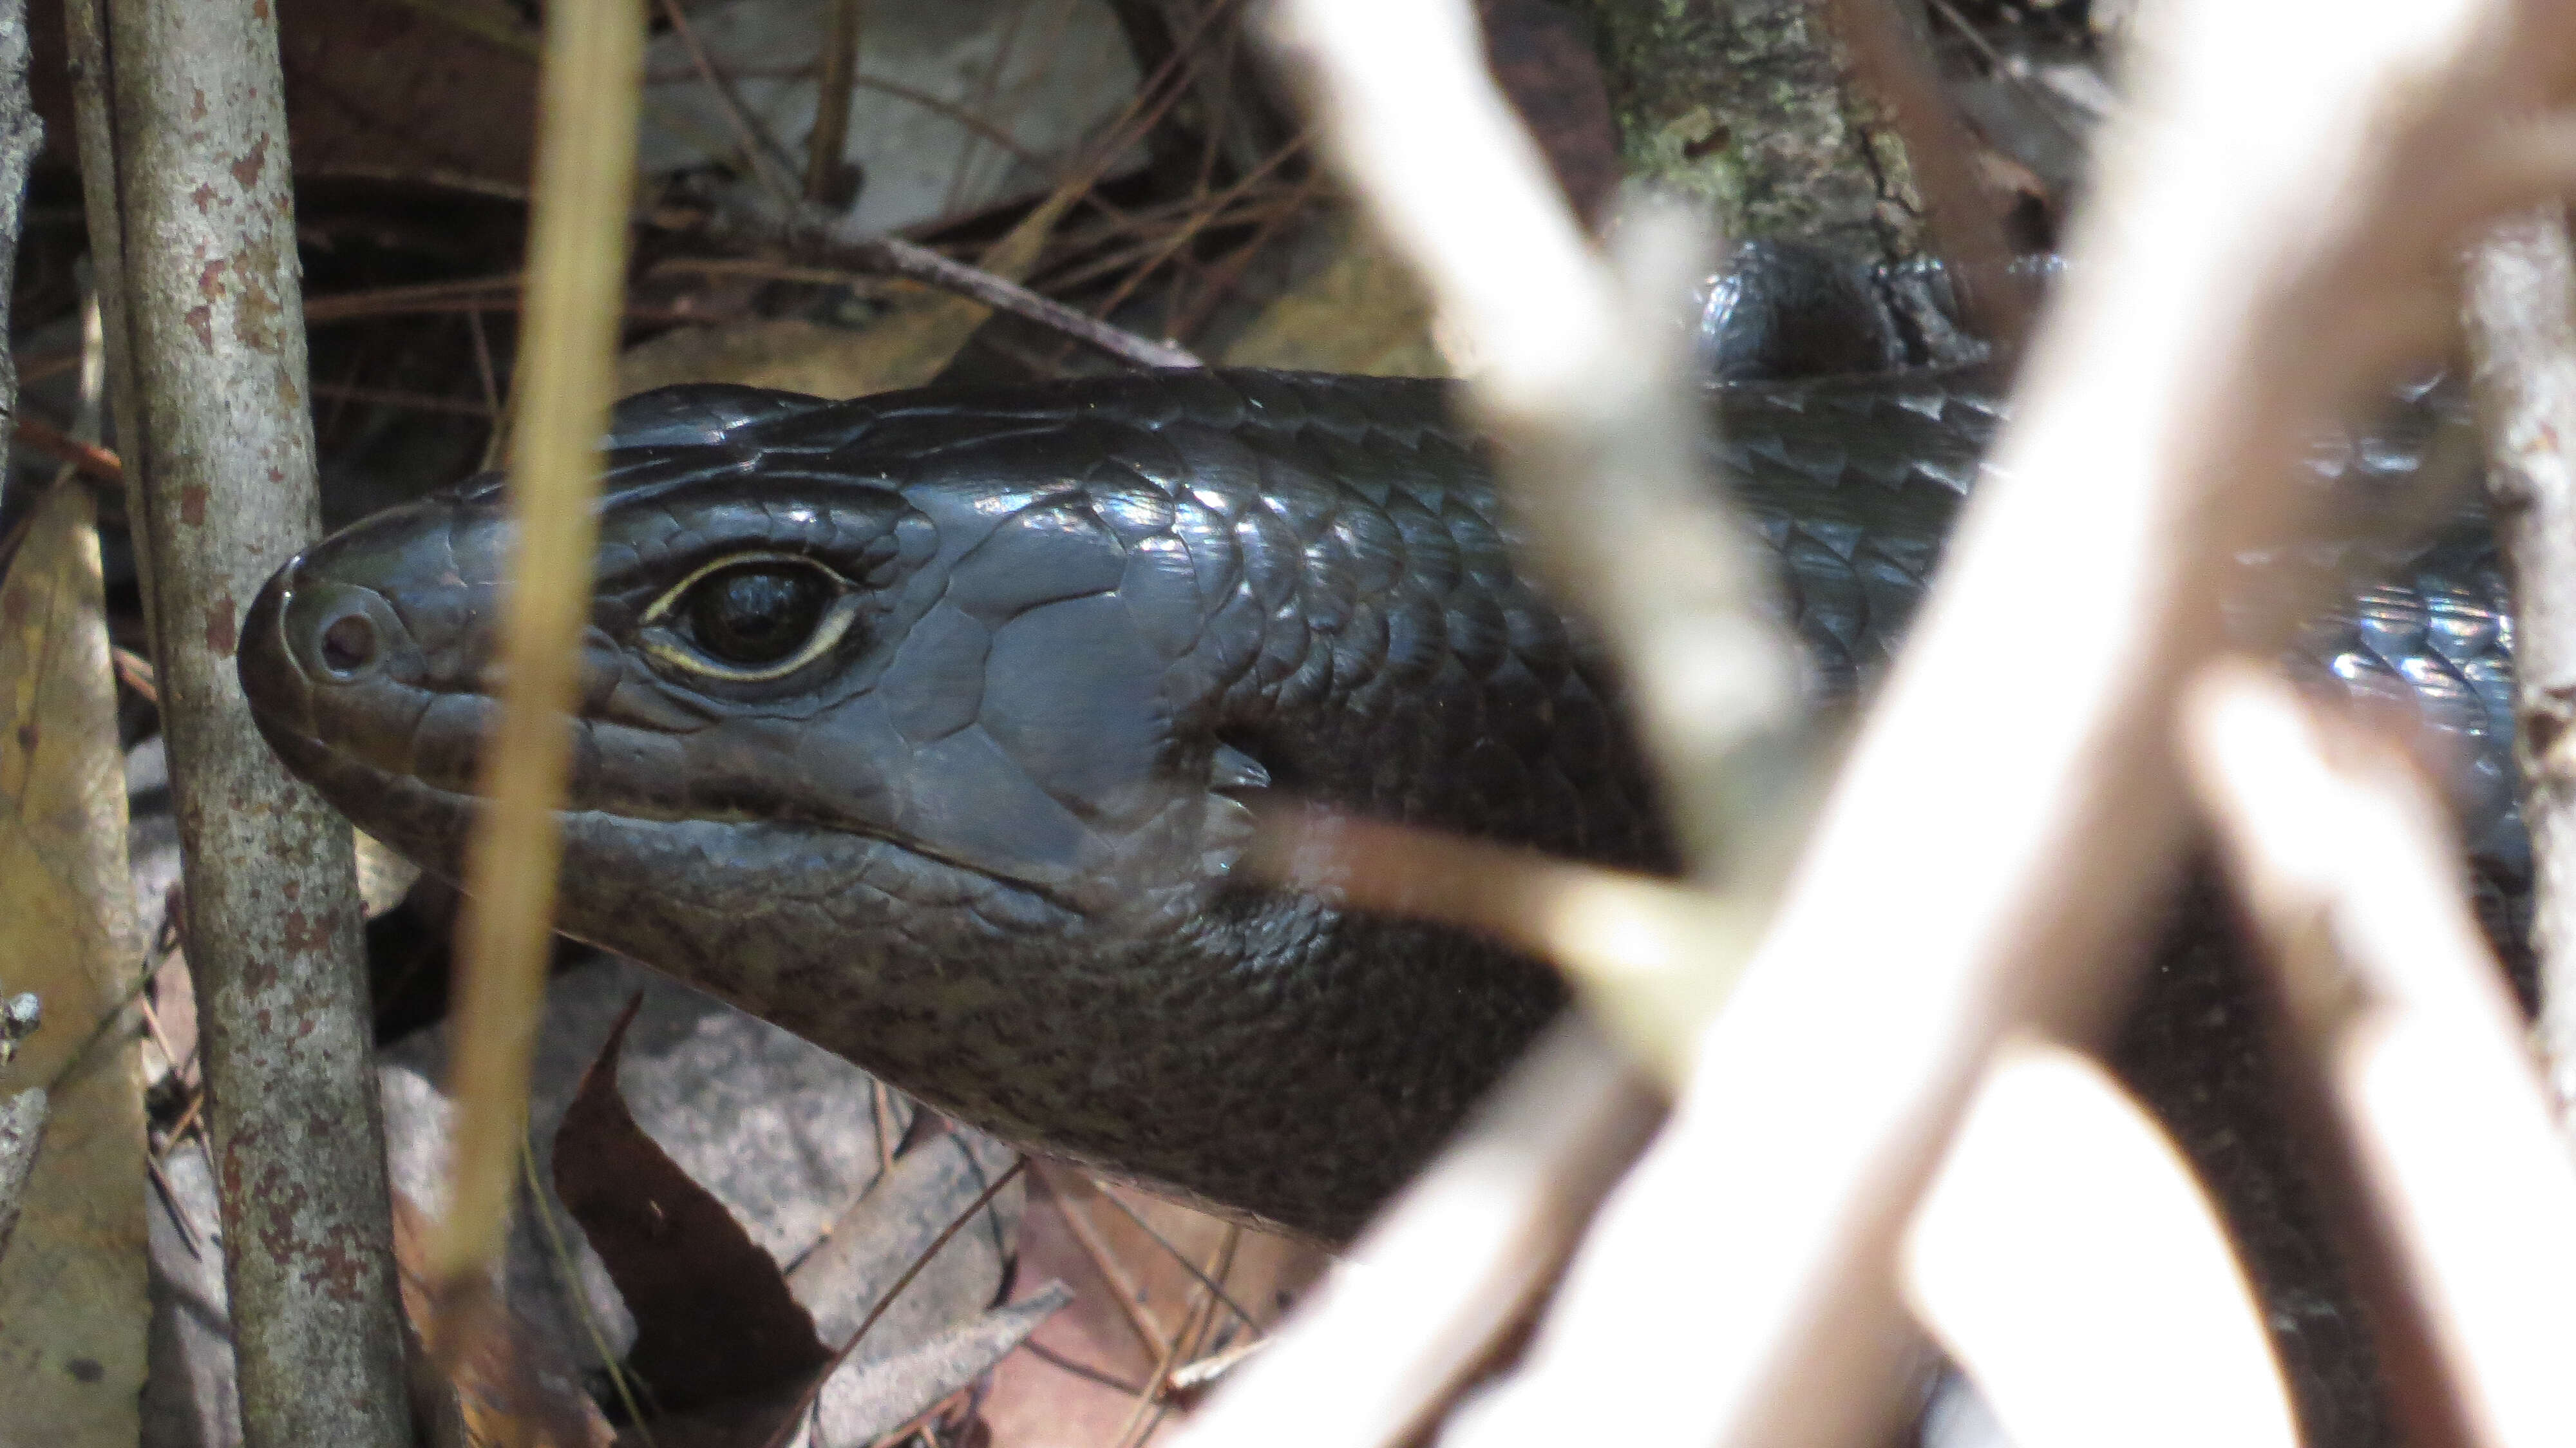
(1812, 121)
(1750, 106)
(20, 134)
(205, 326)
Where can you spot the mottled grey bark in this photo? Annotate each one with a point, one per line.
(184, 143)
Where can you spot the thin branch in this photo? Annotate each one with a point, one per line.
(184, 157)
(823, 1376)
(88, 459)
(1178, 1256)
(1652, 958)
(758, 150)
(1123, 1291)
(1201, 216)
(833, 240)
(1368, 1361)
(1585, 392)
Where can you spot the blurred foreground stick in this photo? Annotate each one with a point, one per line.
(2347, 858)
(2521, 315)
(1997, 829)
(1585, 386)
(2065, 1254)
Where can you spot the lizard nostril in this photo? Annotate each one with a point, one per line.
(348, 645)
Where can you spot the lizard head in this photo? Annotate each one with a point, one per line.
(921, 725)
(962, 678)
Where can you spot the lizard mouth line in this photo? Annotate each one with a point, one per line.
(330, 765)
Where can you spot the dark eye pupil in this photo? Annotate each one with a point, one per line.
(758, 613)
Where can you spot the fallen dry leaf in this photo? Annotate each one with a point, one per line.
(1035, 1403)
(866, 1400)
(714, 1320)
(73, 1311)
(892, 1224)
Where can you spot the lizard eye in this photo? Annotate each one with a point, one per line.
(749, 618)
(754, 614)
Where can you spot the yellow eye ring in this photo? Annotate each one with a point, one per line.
(667, 644)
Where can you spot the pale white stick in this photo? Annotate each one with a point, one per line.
(2354, 879)
(2521, 316)
(2067, 1258)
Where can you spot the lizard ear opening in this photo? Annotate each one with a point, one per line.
(1231, 820)
(1235, 770)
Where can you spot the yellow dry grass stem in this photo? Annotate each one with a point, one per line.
(577, 248)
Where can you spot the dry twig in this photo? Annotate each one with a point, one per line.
(822, 237)
(1583, 388)
(791, 1432)
(576, 280)
(825, 172)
